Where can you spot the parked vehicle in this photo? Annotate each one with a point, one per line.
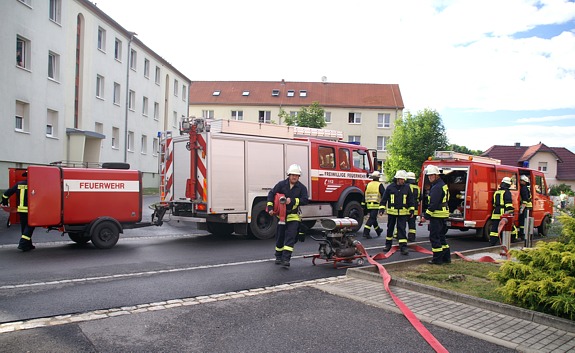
(472, 180)
(218, 173)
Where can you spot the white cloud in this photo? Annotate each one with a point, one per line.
(546, 119)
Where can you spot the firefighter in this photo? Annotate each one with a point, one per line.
(397, 201)
(437, 213)
(372, 197)
(296, 195)
(526, 204)
(502, 203)
(21, 191)
(416, 199)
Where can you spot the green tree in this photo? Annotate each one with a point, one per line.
(556, 189)
(463, 149)
(312, 116)
(416, 137)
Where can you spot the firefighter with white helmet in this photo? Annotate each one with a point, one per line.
(526, 204)
(398, 202)
(372, 197)
(502, 203)
(437, 213)
(295, 195)
(416, 199)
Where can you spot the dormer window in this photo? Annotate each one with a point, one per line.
(245, 93)
(290, 93)
(303, 93)
(216, 93)
(275, 92)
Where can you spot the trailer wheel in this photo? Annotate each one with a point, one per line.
(354, 210)
(543, 229)
(224, 229)
(78, 237)
(262, 225)
(105, 234)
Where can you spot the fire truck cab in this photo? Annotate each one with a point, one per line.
(472, 180)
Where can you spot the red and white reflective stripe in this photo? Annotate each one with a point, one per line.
(202, 173)
(167, 171)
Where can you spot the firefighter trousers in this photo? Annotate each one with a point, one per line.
(401, 222)
(412, 229)
(27, 231)
(525, 213)
(437, 231)
(371, 222)
(286, 235)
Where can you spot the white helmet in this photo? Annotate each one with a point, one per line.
(294, 169)
(401, 174)
(411, 175)
(431, 169)
(375, 175)
(506, 180)
(525, 178)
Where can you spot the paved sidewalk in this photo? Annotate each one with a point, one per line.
(503, 329)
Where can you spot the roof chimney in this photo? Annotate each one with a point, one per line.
(517, 144)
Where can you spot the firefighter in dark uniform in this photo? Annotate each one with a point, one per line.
(21, 191)
(502, 203)
(296, 195)
(416, 199)
(437, 213)
(526, 204)
(373, 193)
(397, 201)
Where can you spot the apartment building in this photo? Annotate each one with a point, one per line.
(365, 113)
(79, 89)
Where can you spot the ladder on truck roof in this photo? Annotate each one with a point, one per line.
(272, 130)
(458, 156)
(165, 152)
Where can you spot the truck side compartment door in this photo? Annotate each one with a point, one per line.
(44, 196)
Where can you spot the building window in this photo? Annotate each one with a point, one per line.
(293, 114)
(327, 117)
(176, 87)
(290, 93)
(157, 77)
(118, 50)
(216, 93)
(155, 146)
(53, 66)
(55, 10)
(132, 101)
(52, 123)
(275, 92)
(542, 166)
(265, 116)
(144, 145)
(303, 93)
(100, 86)
(23, 52)
(237, 115)
(130, 141)
(146, 68)
(382, 143)
(145, 106)
(175, 119)
(383, 120)
(184, 92)
(246, 93)
(354, 118)
(156, 111)
(133, 59)
(116, 93)
(207, 114)
(101, 39)
(115, 137)
(22, 116)
(356, 139)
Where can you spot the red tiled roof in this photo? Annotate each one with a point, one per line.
(516, 155)
(328, 94)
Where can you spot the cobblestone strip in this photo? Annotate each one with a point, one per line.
(141, 308)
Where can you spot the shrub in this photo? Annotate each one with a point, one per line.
(543, 278)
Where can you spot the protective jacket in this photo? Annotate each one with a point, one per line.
(373, 193)
(397, 200)
(298, 195)
(525, 194)
(21, 188)
(437, 200)
(416, 196)
(502, 201)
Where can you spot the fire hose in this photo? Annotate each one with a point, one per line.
(280, 207)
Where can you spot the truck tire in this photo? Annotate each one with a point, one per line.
(262, 226)
(354, 210)
(224, 229)
(483, 233)
(105, 234)
(78, 237)
(543, 229)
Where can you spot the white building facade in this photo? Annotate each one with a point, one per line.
(78, 89)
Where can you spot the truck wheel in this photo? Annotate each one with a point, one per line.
(483, 233)
(543, 229)
(262, 225)
(224, 229)
(354, 210)
(105, 234)
(78, 237)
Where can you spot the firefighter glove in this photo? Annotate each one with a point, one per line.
(4, 201)
(427, 216)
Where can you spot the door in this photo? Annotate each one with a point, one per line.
(44, 196)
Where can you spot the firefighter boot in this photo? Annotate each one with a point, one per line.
(285, 258)
(26, 244)
(446, 255)
(437, 258)
(378, 231)
(404, 250)
(278, 258)
(366, 232)
(387, 246)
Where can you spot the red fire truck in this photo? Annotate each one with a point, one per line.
(218, 173)
(88, 204)
(472, 180)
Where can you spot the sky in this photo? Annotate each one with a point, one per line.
(498, 72)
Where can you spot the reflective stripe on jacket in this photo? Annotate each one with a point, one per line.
(502, 203)
(437, 200)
